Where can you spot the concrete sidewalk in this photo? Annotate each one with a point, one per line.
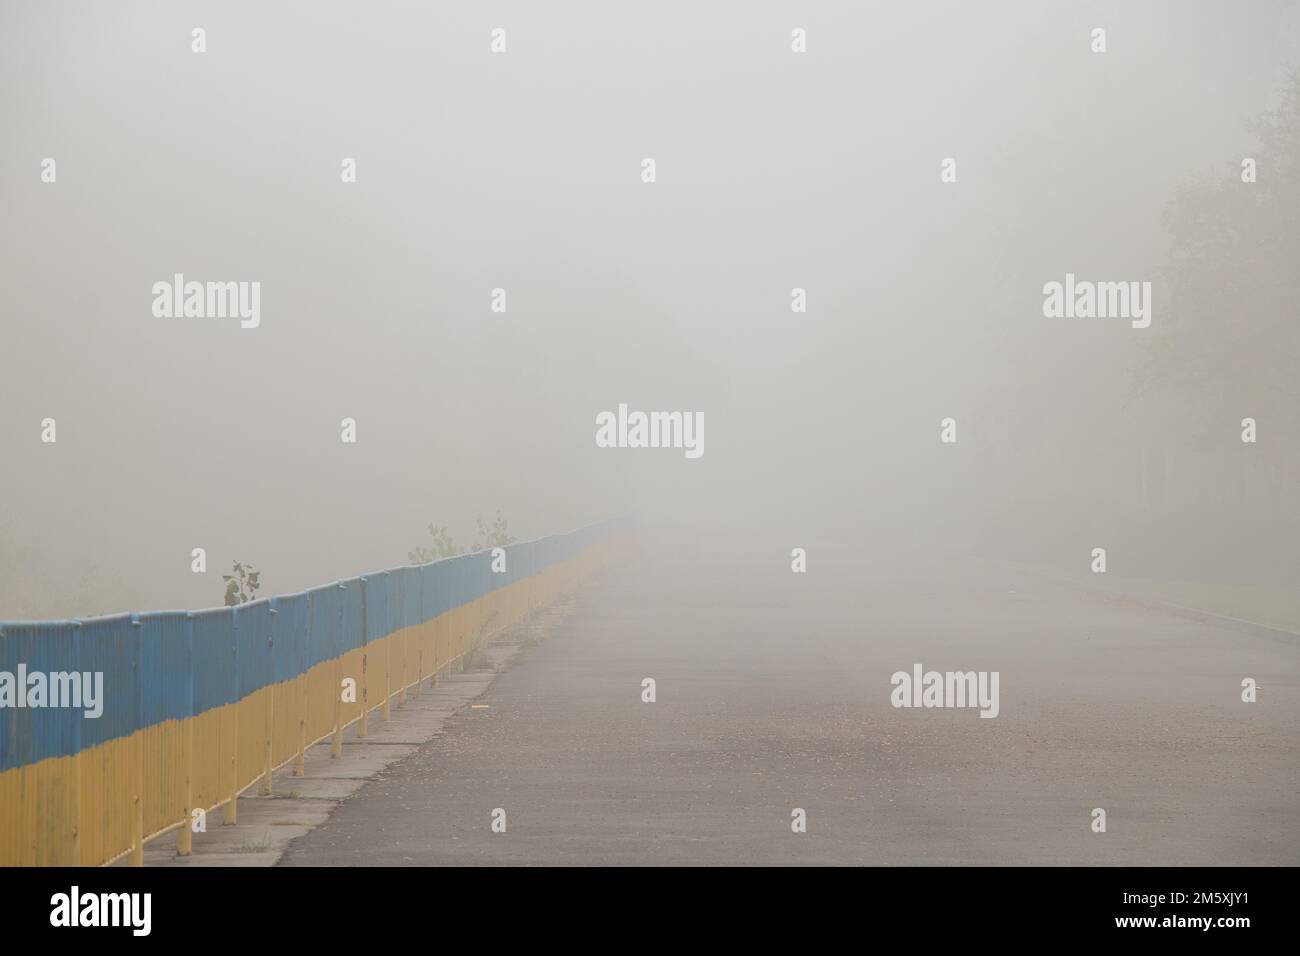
(297, 805)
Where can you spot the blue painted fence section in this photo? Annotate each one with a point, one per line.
(214, 652)
(394, 601)
(111, 645)
(326, 616)
(428, 591)
(169, 665)
(253, 640)
(290, 631)
(433, 586)
(376, 593)
(166, 667)
(31, 734)
(350, 616)
(408, 584)
(460, 573)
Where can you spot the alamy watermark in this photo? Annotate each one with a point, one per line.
(1083, 299)
(74, 689)
(651, 430)
(208, 300)
(946, 689)
(132, 910)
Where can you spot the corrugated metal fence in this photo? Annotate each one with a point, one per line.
(199, 705)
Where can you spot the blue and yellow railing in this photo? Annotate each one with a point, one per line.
(200, 705)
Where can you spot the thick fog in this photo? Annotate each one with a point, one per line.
(522, 170)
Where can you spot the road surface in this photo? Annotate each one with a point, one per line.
(773, 693)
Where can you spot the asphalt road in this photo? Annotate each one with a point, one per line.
(773, 693)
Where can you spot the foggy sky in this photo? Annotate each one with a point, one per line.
(522, 171)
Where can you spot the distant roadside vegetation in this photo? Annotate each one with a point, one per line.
(442, 545)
